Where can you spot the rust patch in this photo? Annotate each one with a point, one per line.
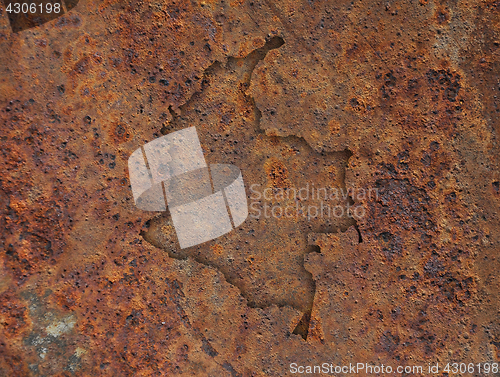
(278, 175)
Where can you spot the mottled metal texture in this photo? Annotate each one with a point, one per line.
(395, 96)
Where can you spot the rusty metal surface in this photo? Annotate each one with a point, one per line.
(400, 97)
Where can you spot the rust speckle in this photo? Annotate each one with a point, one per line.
(277, 174)
(442, 16)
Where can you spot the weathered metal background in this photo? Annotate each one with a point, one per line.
(397, 96)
